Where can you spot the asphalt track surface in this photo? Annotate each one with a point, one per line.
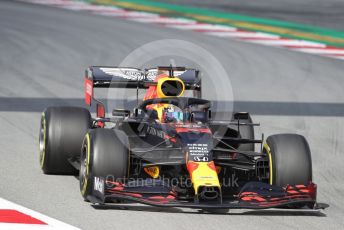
(43, 53)
(328, 14)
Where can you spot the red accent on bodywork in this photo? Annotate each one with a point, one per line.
(211, 165)
(174, 140)
(88, 91)
(100, 113)
(292, 191)
(151, 92)
(16, 217)
(117, 186)
(156, 197)
(312, 188)
(248, 193)
(118, 189)
(300, 186)
(169, 197)
(253, 198)
(114, 183)
(191, 166)
(168, 137)
(185, 130)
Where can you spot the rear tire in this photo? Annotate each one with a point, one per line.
(104, 155)
(61, 133)
(290, 159)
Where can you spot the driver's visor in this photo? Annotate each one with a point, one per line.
(174, 116)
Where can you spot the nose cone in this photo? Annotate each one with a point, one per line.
(203, 174)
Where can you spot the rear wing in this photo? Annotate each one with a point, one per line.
(121, 77)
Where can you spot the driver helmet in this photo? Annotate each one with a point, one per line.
(173, 114)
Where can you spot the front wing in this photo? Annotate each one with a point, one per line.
(254, 195)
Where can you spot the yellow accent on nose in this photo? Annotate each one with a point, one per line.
(153, 171)
(204, 176)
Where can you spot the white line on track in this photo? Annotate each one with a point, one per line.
(242, 34)
(203, 26)
(287, 42)
(321, 51)
(176, 21)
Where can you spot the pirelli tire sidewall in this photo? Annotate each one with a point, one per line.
(61, 134)
(105, 154)
(290, 160)
(86, 163)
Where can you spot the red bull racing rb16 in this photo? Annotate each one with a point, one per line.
(169, 151)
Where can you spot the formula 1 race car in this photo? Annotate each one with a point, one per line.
(169, 151)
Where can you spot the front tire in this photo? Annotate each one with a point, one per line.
(289, 159)
(104, 154)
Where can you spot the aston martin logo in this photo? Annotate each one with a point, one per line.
(130, 74)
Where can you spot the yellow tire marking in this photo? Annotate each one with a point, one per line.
(268, 151)
(88, 151)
